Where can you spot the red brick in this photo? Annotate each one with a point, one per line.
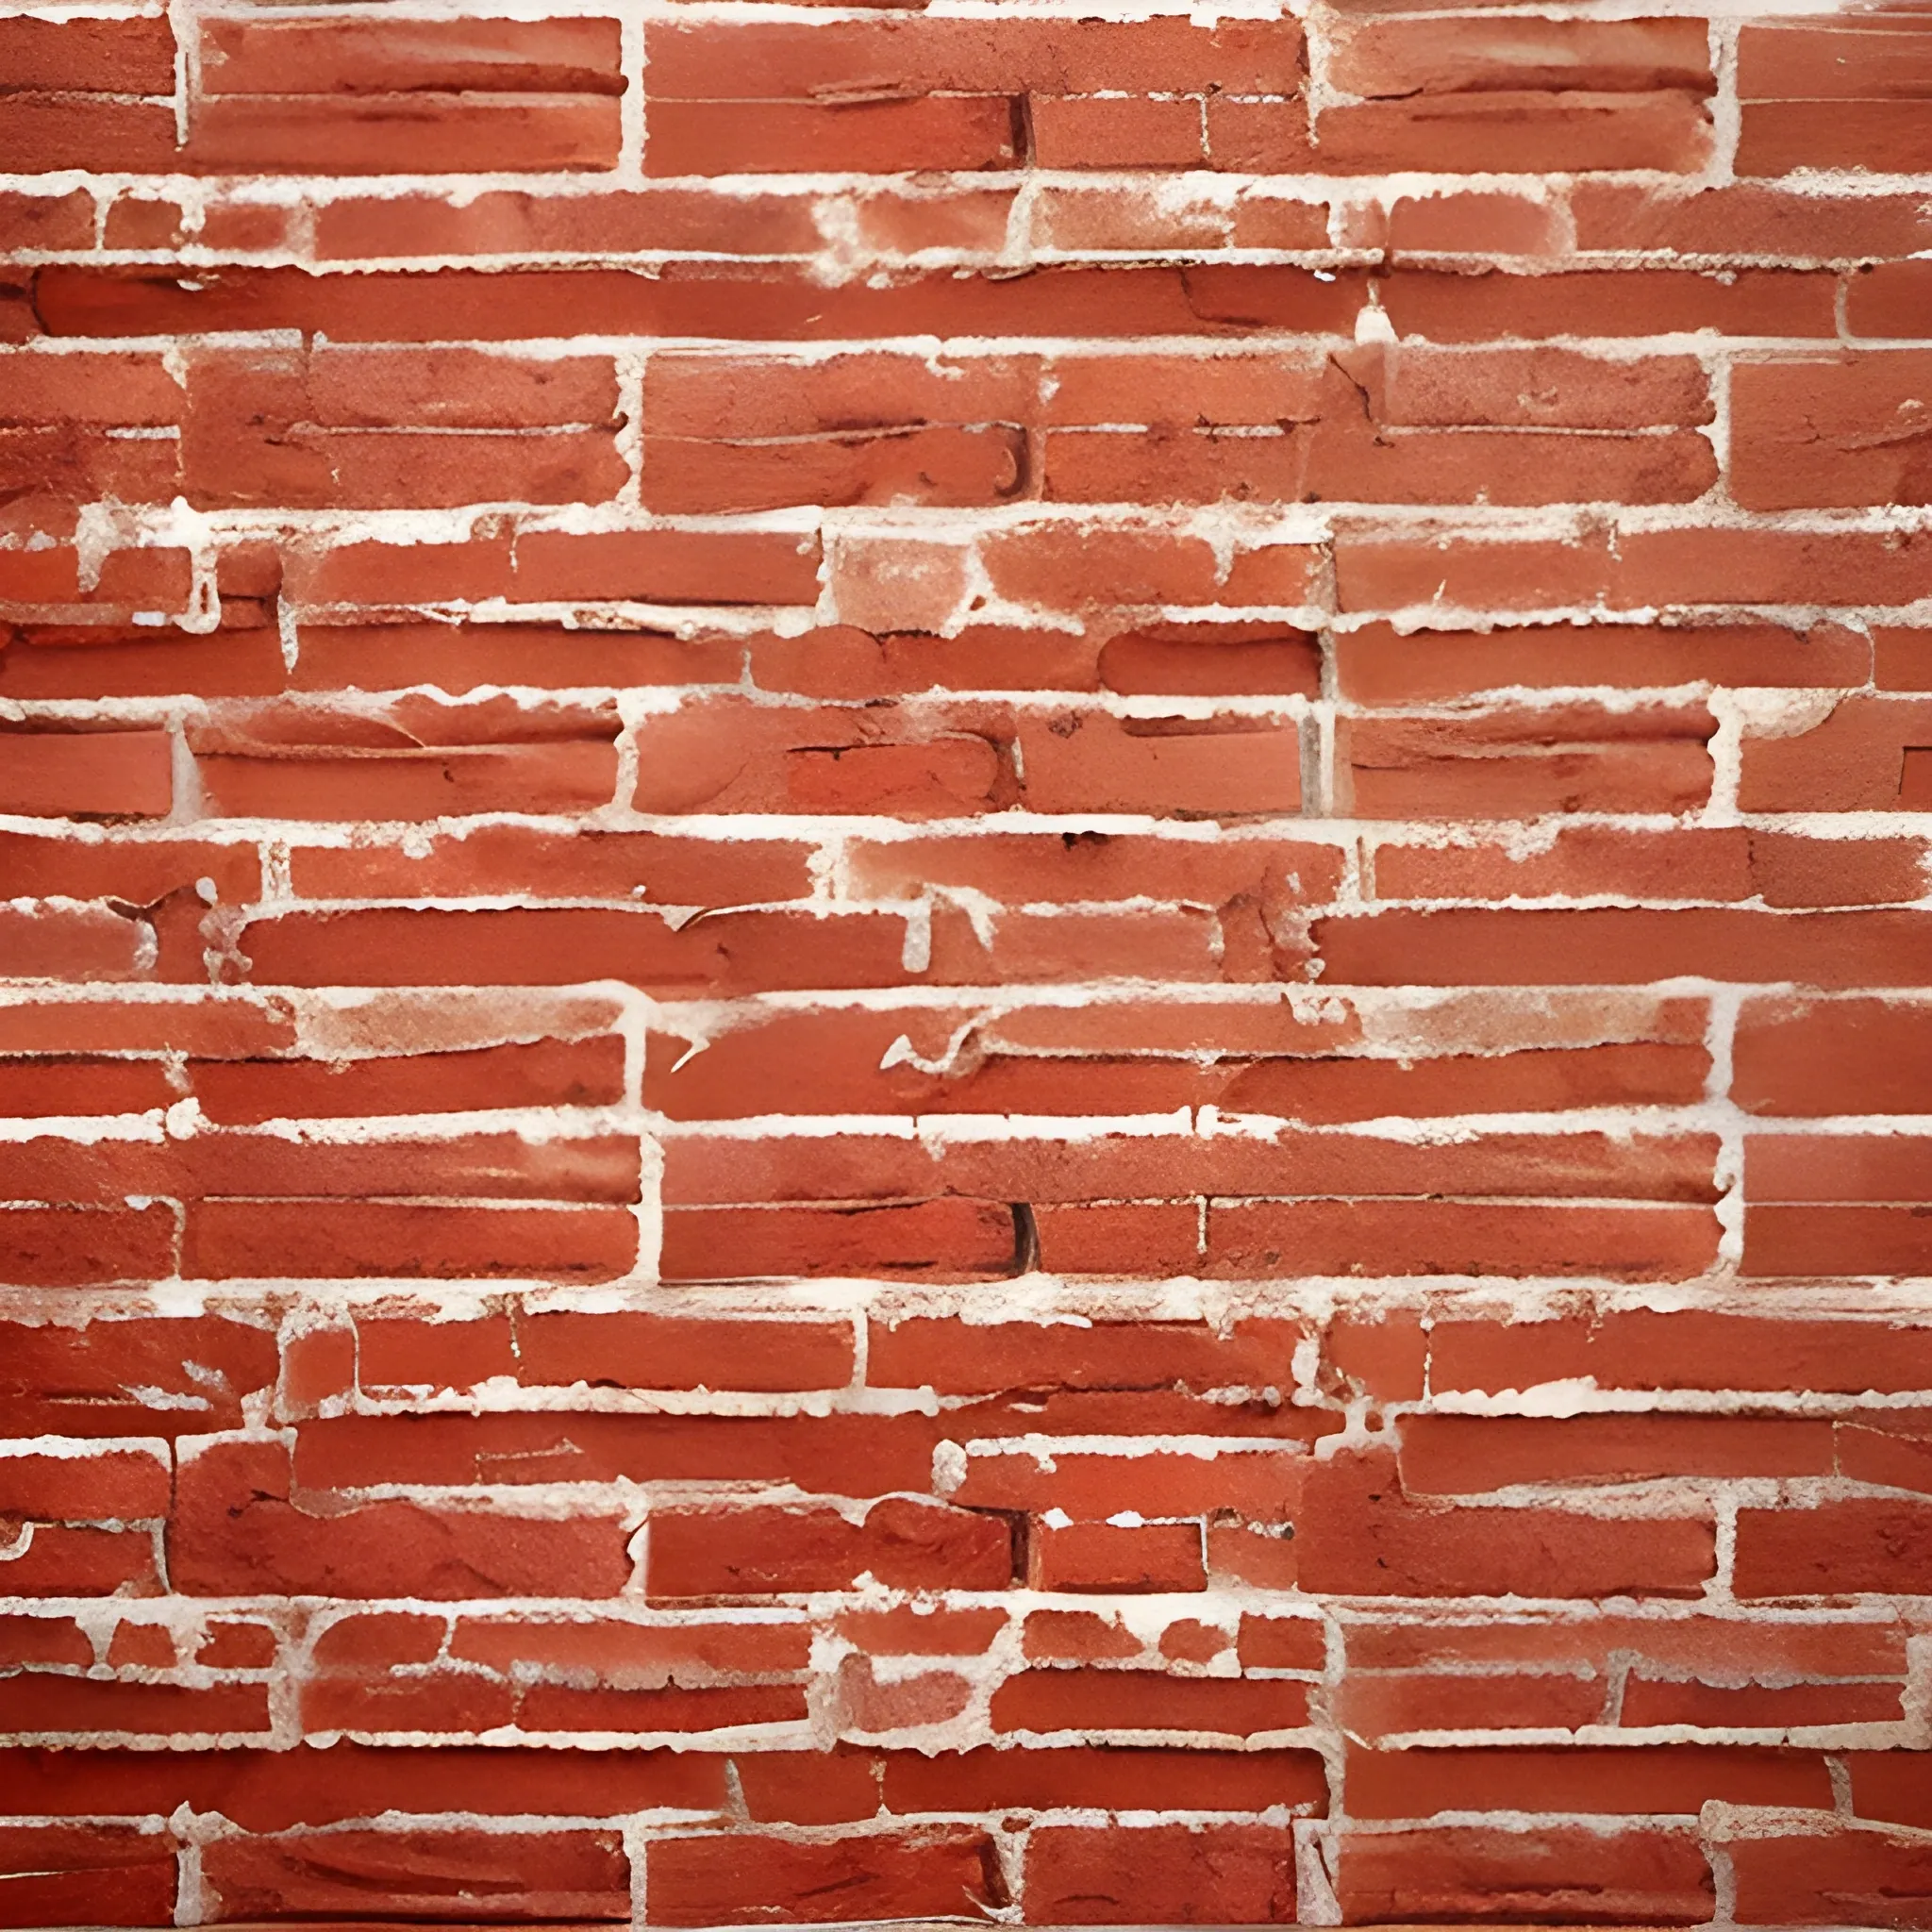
(948, 467)
(1841, 1204)
(85, 774)
(459, 658)
(339, 1239)
(1261, 1239)
(1066, 566)
(1180, 1875)
(1695, 1644)
(836, 1454)
(1888, 1786)
(630, 1657)
(83, 131)
(147, 1644)
(1403, 56)
(1482, 224)
(1860, 755)
(1618, 946)
(1262, 1484)
(942, 1241)
(397, 429)
(86, 1247)
(1667, 1780)
(1112, 1777)
(79, 1708)
(1226, 767)
(510, 221)
(400, 133)
(1527, 763)
(1792, 870)
(109, 57)
(74, 943)
(955, 1357)
(1082, 131)
(1118, 1560)
(772, 60)
(652, 868)
(88, 1875)
(882, 137)
(136, 222)
(1381, 665)
(1839, 430)
(1778, 137)
(674, 1352)
(105, 1486)
(30, 1639)
(1867, 1543)
(71, 1084)
(61, 1562)
(317, 782)
(60, 661)
(1639, 302)
(549, 1073)
(1359, 1535)
(1282, 1643)
(232, 1645)
(922, 1630)
(1824, 1878)
(1374, 1704)
(567, 945)
(1742, 221)
(1519, 131)
(1888, 300)
(936, 1872)
(1021, 866)
(1759, 1707)
(29, 219)
(1112, 1700)
(554, 1874)
(238, 1530)
(1463, 1456)
(1475, 1874)
(1190, 1640)
(768, 302)
(104, 1378)
(268, 1791)
(755, 1552)
(1767, 566)
(671, 567)
(1690, 1349)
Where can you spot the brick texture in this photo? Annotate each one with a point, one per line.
(965, 962)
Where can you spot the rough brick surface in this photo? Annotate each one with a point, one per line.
(965, 961)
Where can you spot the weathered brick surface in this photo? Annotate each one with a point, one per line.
(960, 962)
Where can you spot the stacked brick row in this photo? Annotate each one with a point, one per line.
(965, 964)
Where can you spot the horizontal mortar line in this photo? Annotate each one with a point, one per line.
(804, 13)
(1204, 186)
(1201, 182)
(1444, 1130)
(1232, 340)
(999, 264)
(25, 989)
(1289, 523)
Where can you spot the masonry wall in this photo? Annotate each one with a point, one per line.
(965, 963)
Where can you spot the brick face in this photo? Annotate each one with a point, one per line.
(963, 965)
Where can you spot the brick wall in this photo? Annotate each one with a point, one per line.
(965, 964)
